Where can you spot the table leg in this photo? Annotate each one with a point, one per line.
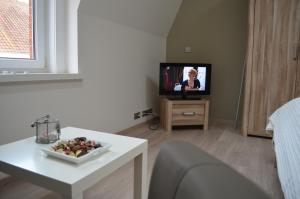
(75, 196)
(78, 196)
(140, 176)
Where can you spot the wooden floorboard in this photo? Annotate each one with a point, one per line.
(252, 157)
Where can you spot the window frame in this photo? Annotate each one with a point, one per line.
(39, 43)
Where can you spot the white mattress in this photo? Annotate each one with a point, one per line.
(285, 123)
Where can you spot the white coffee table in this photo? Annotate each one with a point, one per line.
(25, 160)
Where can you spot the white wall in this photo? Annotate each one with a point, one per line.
(120, 68)
(153, 16)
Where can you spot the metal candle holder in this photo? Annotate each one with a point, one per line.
(47, 130)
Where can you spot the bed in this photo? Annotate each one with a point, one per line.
(285, 124)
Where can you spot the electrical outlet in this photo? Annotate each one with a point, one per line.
(147, 112)
(137, 115)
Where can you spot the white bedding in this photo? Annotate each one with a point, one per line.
(285, 123)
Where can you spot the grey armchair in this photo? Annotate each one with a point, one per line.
(183, 171)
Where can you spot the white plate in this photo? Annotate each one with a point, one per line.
(98, 151)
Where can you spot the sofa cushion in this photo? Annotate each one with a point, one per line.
(183, 171)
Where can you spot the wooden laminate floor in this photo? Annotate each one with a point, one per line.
(252, 157)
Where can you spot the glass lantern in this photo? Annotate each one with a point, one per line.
(47, 130)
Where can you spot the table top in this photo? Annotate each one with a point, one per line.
(27, 155)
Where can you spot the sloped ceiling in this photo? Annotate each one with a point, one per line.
(152, 16)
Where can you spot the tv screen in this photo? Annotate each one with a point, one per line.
(184, 78)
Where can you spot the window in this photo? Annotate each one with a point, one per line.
(22, 34)
(38, 36)
(16, 29)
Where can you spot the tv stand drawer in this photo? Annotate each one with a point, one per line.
(182, 109)
(189, 120)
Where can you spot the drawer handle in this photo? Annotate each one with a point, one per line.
(189, 113)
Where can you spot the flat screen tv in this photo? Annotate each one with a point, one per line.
(185, 79)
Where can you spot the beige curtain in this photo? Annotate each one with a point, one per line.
(272, 64)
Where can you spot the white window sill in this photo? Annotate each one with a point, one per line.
(32, 77)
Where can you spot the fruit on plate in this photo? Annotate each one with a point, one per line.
(76, 147)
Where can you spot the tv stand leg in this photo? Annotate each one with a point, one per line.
(169, 116)
(205, 126)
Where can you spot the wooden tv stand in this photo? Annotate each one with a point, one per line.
(183, 112)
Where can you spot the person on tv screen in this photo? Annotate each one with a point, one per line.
(191, 84)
